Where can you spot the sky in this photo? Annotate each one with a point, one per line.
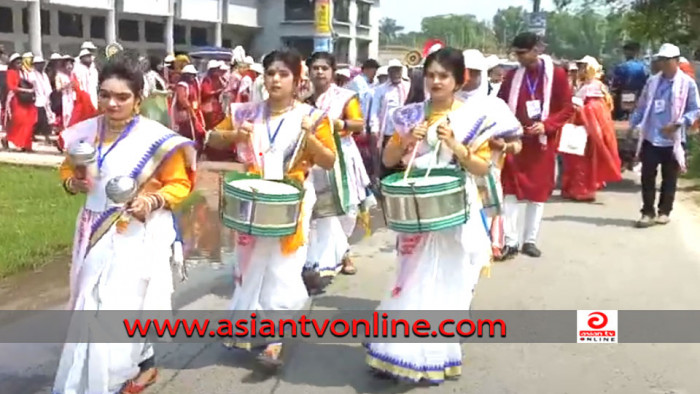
(409, 13)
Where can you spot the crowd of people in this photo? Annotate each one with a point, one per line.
(296, 120)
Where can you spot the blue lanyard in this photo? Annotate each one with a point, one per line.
(533, 87)
(124, 134)
(270, 136)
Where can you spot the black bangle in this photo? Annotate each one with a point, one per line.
(67, 188)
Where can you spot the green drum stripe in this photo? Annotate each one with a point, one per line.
(275, 232)
(389, 183)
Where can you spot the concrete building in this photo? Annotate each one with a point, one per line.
(160, 26)
(355, 25)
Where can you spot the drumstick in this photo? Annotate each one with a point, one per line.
(433, 162)
(410, 161)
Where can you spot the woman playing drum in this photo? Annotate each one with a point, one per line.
(437, 270)
(121, 262)
(267, 136)
(328, 246)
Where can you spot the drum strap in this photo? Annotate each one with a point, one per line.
(417, 207)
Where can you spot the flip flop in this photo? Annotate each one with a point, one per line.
(271, 362)
(131, 387)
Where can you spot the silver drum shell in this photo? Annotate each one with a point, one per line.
(432, 207)
(266, 219)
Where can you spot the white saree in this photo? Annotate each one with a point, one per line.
(266, 277)
(112, 270)
(329, 236)
(437, 270)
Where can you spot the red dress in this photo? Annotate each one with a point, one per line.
(529, 175)
(22, 117)
(211, 105)
(187, 113)
(582, 176)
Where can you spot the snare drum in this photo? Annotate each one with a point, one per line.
(421, 204)
(260, 207)
(491, 194)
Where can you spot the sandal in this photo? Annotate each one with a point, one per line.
(131, 387)
(272, 356)
(348, 266)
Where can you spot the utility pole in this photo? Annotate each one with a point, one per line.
(535, 5)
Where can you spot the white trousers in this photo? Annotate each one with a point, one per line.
(533, 218)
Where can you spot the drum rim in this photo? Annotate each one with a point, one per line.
(389, 188)
(458, 219)
(260, 231)
(262, 197)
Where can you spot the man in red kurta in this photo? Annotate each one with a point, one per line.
(539, 94)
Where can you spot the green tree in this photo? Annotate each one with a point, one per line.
(388, 30)
(508, 23)
(460, 31)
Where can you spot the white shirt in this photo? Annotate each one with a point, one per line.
(387, 97)
(151, 80)
(87, 78)
(42, 88)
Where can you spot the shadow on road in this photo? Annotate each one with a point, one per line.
(600, 222)
(25, 384)
(334, 365)
(345, 303)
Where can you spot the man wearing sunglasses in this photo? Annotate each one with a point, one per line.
(539, 94)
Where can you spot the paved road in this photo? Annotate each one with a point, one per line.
(592, 259)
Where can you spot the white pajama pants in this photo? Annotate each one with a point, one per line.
(533, 218)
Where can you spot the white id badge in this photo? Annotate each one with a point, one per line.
(659, 106)
(272, 167)
(534, 109)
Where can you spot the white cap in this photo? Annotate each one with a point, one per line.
(573, 66)
(84, 52)
(668, 51)
(237, 54)
(169, 59)
(55, 56)
(258, 68)
(212, 64)
(434, 48)
(590, 61)
(88, 45)
(382, 71)
(343, 72)
(26, 55)
(684, 60)
(67, 57)
(14, 57)
(474, 60)
(39, 59)
(492, 61)
(224, 67)
(393, 63)
(249, 60)
(189, 69)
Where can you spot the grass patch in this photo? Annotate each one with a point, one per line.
(693, 148)
(37, 218)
